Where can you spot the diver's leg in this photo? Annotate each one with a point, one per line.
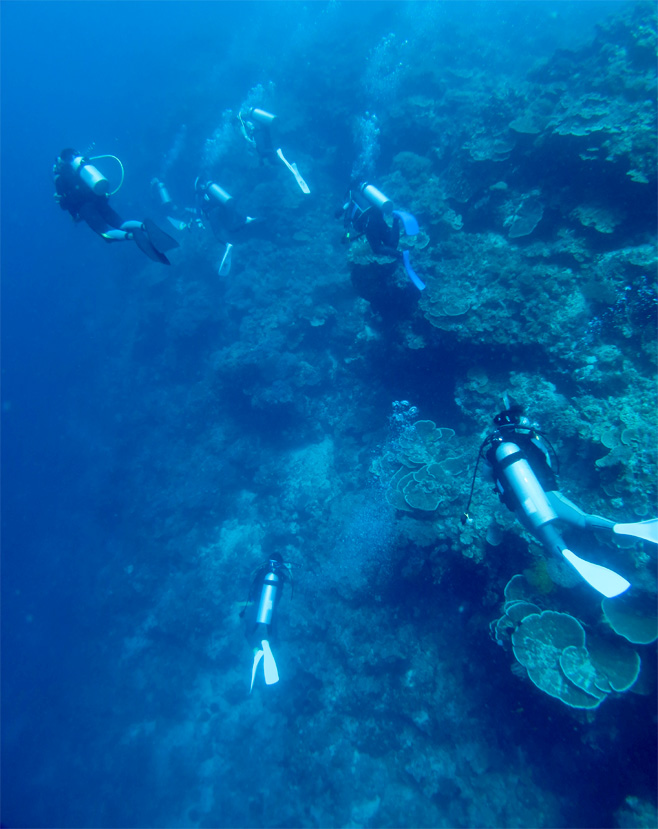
(115, 235)
(568, 512)
(109, 214)
(150, 239)
(93, 216)
(215, 218)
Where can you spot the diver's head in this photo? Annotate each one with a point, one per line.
(67, 156)
(275, 561)
(513, 416)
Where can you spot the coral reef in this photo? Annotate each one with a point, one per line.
(561, 660)
(534, 191)
(633, 616)
(252, 414)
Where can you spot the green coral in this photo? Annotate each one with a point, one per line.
(483, 277)
(600, 218)
(419, 471)
(517, 611)
(553, 649)
(601, 667)
(632, 616)
(423, 490)
(518, 589)
(538, 644)
(421, 443)
(617, 665)
(576, 666)
(518, 604)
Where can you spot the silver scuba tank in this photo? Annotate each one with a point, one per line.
(267, 599)
(515, 474)
(265, 118)
(377, 198)
(94, 180)
(217, 194)
(163, 193)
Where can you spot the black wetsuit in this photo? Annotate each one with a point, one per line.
(224, 220)
(83, 204)
(382, 239)
(368, 221)
(262, 137)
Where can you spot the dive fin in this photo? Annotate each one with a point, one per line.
(143, 243)
(409, 222)
(160, 240)
(607, 582)
(303, 186)
(271, 672)
(411, 273)
(177, 223)
(647, 530)
(225, 264)
(257, 658)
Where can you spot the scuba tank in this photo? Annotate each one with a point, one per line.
(263, 620)
(534, 510)
(217, 194)
(262, 117)
(518, 477)
(268, 597)
(522, 492)
(162, 193)
(94, 180)
(376, 198)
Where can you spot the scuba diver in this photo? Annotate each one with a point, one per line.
(363, 215)
(256, 127)
(218, 207)
(182, 218)
(83, 191)
(259, 614)
(520, 458)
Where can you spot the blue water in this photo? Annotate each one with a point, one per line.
(154, 424)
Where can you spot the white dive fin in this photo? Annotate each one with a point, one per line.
(271, 673)
(257, 658)
(606, 581)
(647, 530)
(177, 223)
(225, 264)
(303, 186)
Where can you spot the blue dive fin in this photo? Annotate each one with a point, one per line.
(411, 273)
(409, 222)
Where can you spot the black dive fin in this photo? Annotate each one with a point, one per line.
(143, 243)
(160, 240)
